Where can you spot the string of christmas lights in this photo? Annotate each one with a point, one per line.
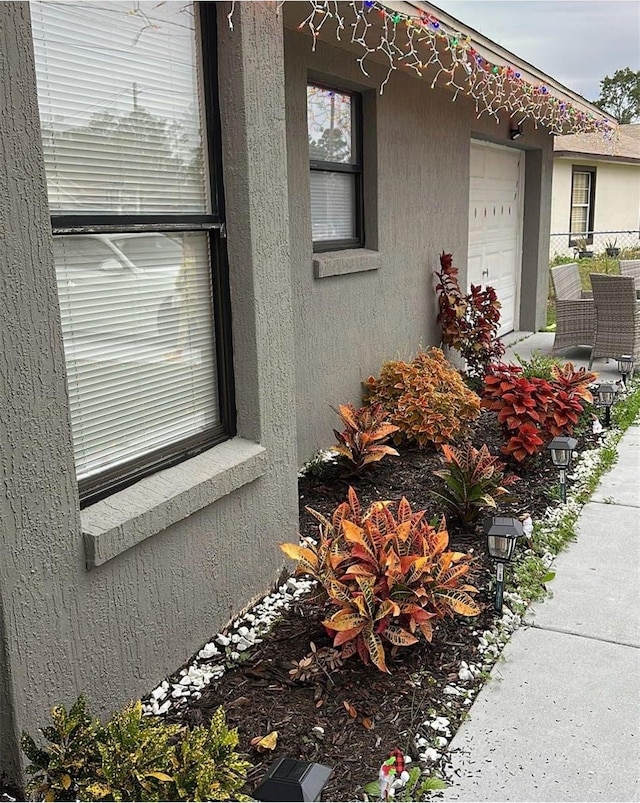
(421, 42)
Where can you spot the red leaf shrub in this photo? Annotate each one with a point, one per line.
(533, 410)
(469, 322)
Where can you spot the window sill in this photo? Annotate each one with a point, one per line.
(128, 517)
(339, 263)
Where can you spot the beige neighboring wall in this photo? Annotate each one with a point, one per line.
(617, 199)
(617, 185)
(417, 186)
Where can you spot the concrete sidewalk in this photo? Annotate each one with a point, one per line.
(559, 719)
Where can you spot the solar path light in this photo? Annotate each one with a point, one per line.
(288, 779)
(606, 394)
(625, 366)
(502, 533)
(561, 449)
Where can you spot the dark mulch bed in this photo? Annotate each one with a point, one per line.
(259, 696)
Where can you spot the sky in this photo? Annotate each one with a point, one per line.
(577, 42)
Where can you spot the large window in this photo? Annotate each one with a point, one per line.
(129, 127)
(583, 189)
(334, 123)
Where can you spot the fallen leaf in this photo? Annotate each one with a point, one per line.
(320, 703)
(264, 743)
(239, 701)
(350, 709)
(367, 723)
(161, 776)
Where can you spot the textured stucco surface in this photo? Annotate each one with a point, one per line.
(300, 343)
(116, 630)
(418, 167)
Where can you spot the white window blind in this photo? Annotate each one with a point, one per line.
(119, 107)
(580, 199)
(123, 134)
(332, 205)
(138, 343)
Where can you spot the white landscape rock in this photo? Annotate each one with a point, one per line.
(244, 633)
(440, 724)
(208, 651)
(430, 755)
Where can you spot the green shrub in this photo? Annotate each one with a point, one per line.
(133, 757)
(136, 756)
(540, 365)
(207, 764)
(63, 769)
(560, 259)
(425, 398)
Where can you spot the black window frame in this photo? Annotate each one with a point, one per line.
(94, 488)
(588, 235)
(356, 168)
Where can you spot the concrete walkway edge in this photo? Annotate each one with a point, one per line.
(559, 719)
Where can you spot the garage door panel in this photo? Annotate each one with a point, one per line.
(495, 225)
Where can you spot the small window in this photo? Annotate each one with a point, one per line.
(334, 125)
(583, 186)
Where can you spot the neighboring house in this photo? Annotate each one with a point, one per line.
(220, 235)
(596, 190)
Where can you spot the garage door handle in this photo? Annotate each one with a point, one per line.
(485, 273)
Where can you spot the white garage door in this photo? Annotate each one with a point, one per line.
(495, 225)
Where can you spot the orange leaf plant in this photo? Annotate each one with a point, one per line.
(425, 398)
(362, 441)
(388, 575)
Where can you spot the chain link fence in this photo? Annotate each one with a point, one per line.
(595, 252)
(596, 245)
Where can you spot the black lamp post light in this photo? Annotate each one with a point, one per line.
(625, 366)
(502, 533)
(289, 779)
(606, 394)
(561, 449)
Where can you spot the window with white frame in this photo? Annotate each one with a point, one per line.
(131, 148)
(334, 125)
(582, 204)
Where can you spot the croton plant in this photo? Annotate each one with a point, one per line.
(533, 410)
(362, 441)
(388, 576)
(469, 321)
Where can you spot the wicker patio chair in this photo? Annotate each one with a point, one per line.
(631, 267)
(617, 317)
(575, 311)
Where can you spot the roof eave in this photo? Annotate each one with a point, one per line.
(595, 157)
(501, 55)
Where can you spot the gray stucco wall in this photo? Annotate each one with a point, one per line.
(116, 630)
(417, 166)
